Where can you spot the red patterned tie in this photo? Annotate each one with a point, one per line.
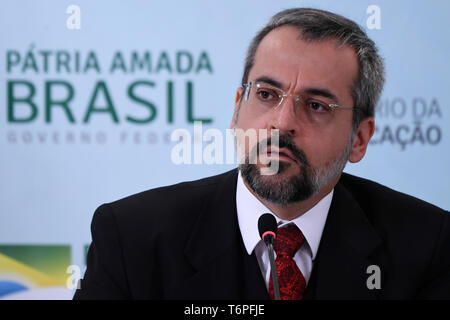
(290, 278)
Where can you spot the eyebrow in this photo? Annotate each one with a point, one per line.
(270, 81)
(321, 92)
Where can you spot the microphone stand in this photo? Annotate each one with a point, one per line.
(273, 271)
(267, 227)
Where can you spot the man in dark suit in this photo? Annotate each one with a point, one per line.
(314, 78)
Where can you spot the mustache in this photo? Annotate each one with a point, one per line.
(286, 141)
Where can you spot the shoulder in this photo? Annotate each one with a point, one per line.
(415, 236)
(393, 210)
(178, 203)
(375, 195)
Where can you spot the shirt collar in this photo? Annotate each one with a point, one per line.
(249, 209)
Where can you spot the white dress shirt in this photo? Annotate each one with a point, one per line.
(311, 223)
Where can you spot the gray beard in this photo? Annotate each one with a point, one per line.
(284, 191)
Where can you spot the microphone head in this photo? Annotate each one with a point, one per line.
(267, 226)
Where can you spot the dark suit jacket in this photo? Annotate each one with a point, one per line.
(183, 242)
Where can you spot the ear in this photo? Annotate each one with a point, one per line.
(236, 104)
(361, 140)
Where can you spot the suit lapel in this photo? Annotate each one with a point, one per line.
(348, 240)
(224, 270)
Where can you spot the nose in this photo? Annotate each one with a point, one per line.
(284, 118)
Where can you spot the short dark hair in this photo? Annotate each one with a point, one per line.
(318, 25)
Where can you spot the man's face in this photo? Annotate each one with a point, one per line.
(321, 70)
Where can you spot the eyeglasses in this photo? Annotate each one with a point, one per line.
(264, 97)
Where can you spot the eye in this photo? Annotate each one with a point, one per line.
(318, 106)
(265, 94)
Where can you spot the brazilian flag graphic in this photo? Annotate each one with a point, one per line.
(29, 267)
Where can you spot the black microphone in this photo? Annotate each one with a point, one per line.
(267, 227)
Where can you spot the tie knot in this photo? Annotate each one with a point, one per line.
(289, 239)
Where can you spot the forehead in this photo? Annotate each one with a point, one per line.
(295, 62)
